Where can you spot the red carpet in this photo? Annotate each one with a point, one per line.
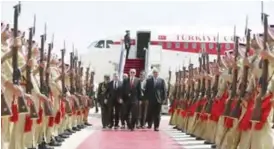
(124, 139)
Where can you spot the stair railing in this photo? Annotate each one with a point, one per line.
(122, 61)
(147, 60)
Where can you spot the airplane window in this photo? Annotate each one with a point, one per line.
(185, 45)
(169, 45)
(194, 45)
(100, 44)
(178, 45)
(227, 46)
(210, 46)
(109, 42)
(202, 46)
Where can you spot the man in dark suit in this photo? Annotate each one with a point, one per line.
(127, 42)
(142, 110)
(123, 120)
(155, 92)
(101, 96)
(132, 94)
(114, 95)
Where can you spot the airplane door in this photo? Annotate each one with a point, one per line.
(143, 40)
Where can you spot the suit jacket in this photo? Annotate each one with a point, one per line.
(101, 94)
(155, 93)
(114, 94)
(132, 93)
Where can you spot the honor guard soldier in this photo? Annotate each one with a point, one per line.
(103, 101)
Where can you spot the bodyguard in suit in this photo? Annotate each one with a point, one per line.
(114, 96)
(132, 95)
(101, 97)
(143, 103)
(123, 111)
(155, 92)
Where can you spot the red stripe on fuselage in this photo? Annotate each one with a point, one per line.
(192, 47)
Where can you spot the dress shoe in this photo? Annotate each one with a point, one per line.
(70, 130)
(67, 132)
(63, 136)
(110, 126)
(59, 139)
(131, 129)
(198, 138)
(88, 124)
(175, 127)
(213, 146)
(32, 148)
(116, 127)
(149, 127)
(43, 145)
(123, 127)
(156, 129)
(207, 142)
(81, 126)
(75, 129)
(54, 143)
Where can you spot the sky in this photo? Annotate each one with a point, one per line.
(82, 22)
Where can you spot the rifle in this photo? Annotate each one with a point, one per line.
(175, 88)
(202, 89)
(22, 106)
(169, 85)
(257, 112)
(208, 92)
(227, 111)
(29, 86)
(88, 87)
(216, 85)
(81, 85)
(73, 79)
(236, 112)
(44, 87)
(63, 92)
(91, 87)
(199, 80)
(179, 92)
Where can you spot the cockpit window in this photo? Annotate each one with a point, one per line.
(100, 44)
(109, 42)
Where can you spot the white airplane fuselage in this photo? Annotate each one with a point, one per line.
(166, 52)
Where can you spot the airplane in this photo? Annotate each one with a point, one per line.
(151, 49)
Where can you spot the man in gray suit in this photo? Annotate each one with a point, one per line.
(155, 92)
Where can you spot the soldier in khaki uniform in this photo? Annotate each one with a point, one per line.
(262, 134)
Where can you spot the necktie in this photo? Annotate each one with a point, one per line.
(131, 82)
(155, 81)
